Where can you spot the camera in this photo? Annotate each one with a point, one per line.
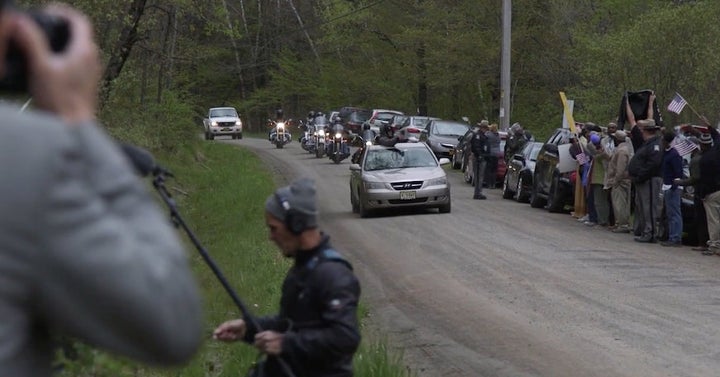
(56, 31)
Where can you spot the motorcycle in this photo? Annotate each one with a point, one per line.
(320, 137)
(279, 134)
(307, 140)
(338, 148)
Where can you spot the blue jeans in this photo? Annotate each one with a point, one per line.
(674, 215)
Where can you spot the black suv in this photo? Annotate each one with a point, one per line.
(554, 176)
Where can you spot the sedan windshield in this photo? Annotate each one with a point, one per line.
(450, 129)
(223, 113)
(393, 158)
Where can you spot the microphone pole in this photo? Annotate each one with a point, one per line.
(159, 184)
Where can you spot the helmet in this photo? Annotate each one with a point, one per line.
(311, 114)
(366, 126)
(387, 130)
(516, 128)
(337, 119)
(279, 113)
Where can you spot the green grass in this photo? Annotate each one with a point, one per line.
(221, 191)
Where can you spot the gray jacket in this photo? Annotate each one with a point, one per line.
(85, 252)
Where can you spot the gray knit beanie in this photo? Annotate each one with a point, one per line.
(298, 196)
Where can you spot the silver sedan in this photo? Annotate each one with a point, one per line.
(406, 175)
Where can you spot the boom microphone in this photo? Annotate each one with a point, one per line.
(143, 161)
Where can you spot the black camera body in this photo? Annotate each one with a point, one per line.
(57, 32)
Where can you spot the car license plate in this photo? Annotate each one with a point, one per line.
(226, 129)
(407, 195)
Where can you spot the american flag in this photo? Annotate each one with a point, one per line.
(582, 158)
(683, 146)
(677, 104)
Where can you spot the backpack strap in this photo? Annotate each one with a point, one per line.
(327, 255)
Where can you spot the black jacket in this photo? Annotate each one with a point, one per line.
(479, 145)
(638, 104)
(709, 181)
(318, 315)
(647, 161)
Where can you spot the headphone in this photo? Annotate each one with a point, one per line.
(294, 220)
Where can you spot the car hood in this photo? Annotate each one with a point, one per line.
(404, 174)
(224, 119)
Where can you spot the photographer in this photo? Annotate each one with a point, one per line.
(86, 253)
(316, 331)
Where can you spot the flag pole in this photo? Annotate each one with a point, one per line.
(694, 111)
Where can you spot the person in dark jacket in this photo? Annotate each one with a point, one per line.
(494, 154)
(645, 172)
(704, 141)
(387, 136)
(480, 148)
(671, 170)
(709, 190)
(316, 332)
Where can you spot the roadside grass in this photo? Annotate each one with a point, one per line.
(221, 191)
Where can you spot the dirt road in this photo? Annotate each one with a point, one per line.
(497, 288)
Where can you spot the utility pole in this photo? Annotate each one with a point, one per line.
(505, 67)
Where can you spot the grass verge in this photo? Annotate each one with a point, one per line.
(221, 191)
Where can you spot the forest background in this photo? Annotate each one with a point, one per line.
(169, 60)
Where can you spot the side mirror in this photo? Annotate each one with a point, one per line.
(444, 161)
(356, 167)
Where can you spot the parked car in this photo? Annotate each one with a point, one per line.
(461, 152)
(442, 136)
(354, 117)
(406, 175)
(554, 175)
(519, 176)
(414, 125)
(380, 117)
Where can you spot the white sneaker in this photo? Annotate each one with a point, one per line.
(584, 218)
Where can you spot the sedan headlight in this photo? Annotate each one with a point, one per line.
(213, 123)
(374, 185)
(437, 181)
(238, 123)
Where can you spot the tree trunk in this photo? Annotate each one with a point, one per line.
(422, 81)
(121, 51)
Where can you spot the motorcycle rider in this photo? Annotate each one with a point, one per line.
(338, 127)
(387, 137)
(368, 136)
(279, 118)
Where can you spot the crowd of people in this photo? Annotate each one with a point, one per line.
(633, 181)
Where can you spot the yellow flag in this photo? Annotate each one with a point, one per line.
(568, 114)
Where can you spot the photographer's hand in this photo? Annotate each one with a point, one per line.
(64, 83)
(230, 331)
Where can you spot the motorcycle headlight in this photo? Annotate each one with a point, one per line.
(437, 181)
(321, 133)
(374, 185)
(281, 125)
(368, 143)
(338, 135)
